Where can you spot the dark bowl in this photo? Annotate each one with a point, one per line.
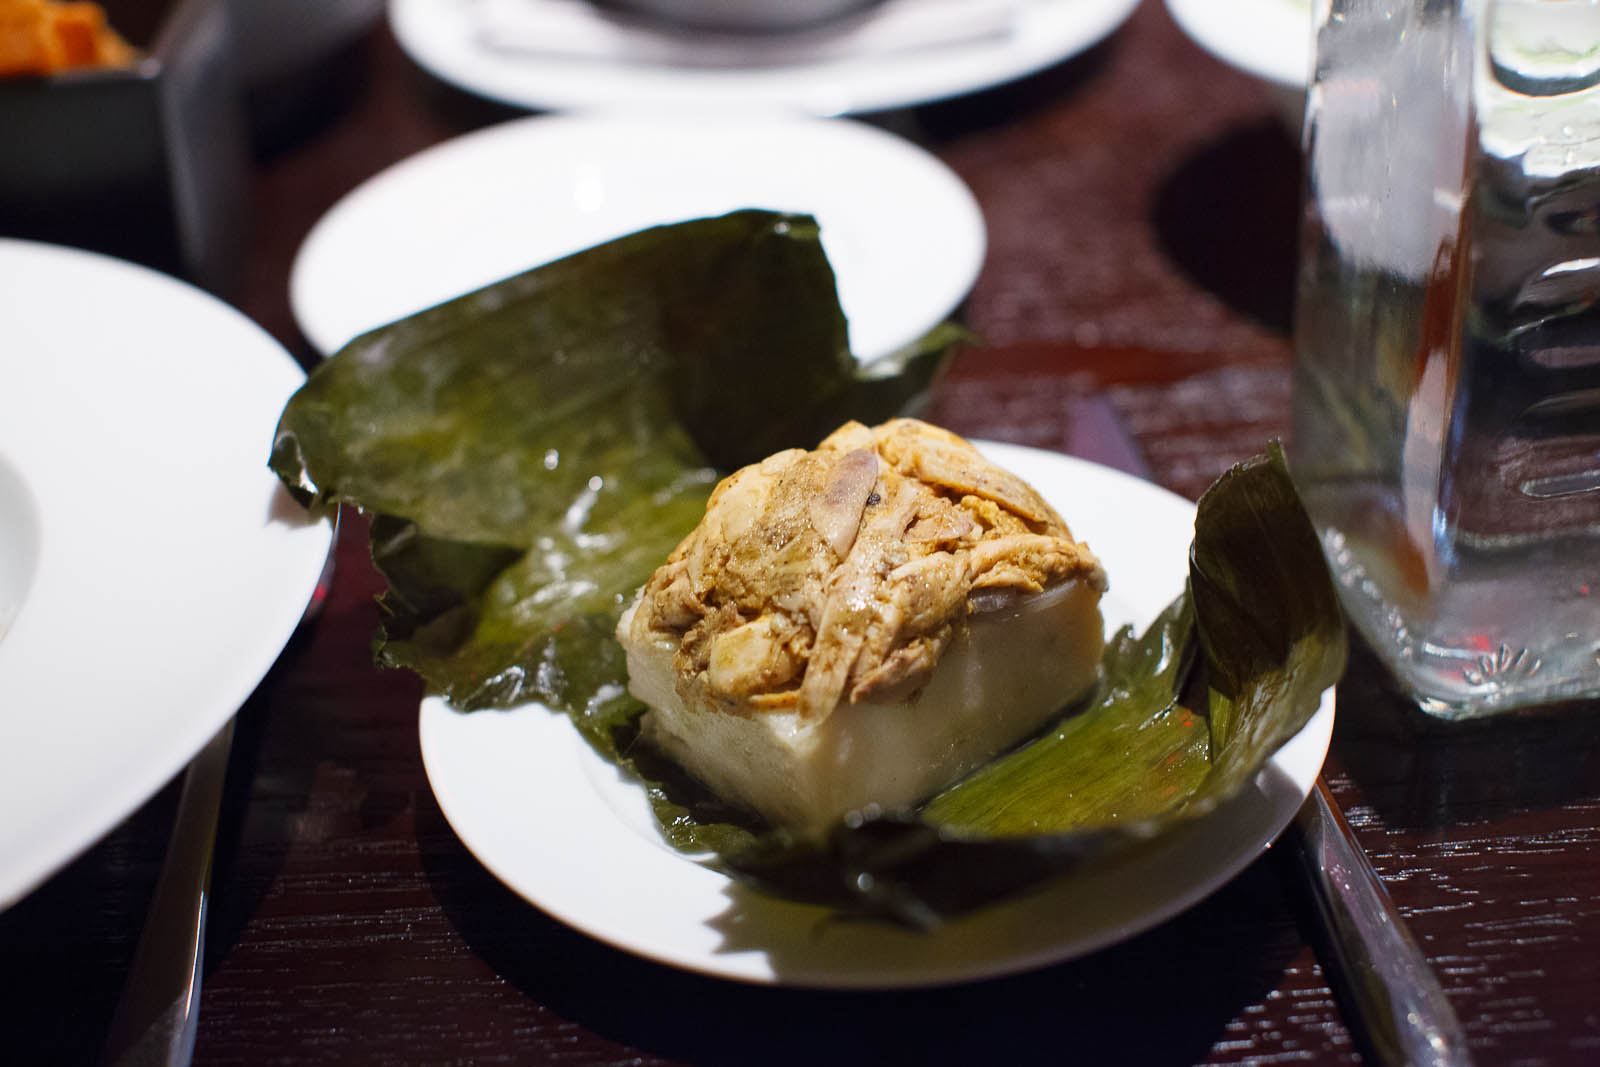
(146, 162)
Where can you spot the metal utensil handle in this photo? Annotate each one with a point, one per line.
(155, 1020)
(1387, 979)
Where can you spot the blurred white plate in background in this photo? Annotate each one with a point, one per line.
(163, 566)
(561, 54)
(1272, 40)
(904, 235)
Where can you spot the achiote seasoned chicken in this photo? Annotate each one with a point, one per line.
(862, 624)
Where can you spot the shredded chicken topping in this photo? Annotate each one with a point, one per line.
(843, 573)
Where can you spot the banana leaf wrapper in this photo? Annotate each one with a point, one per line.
(530, 452)
(1185, 716)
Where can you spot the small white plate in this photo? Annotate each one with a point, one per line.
(565, 54)
(153, 566)
(561, 827)
(904, 235)
(1272, 40)
(901, 231)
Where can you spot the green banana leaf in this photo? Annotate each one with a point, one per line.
(530, 452)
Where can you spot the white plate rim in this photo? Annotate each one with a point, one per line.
(1272, 39)
(226, 563)
(377, 255)
(487, 764)
(437, 35)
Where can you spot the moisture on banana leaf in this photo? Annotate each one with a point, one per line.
(532, 451)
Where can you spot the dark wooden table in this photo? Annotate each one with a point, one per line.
(1141, 202)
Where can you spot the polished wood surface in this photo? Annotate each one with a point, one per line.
(1141, 201)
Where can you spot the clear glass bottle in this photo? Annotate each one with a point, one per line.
(1446, 425)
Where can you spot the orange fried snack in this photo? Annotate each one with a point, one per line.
(46, 36)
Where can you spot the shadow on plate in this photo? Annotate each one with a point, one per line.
(1165, 996)
(1229, 215)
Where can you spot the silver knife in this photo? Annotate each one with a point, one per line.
(154, 1025)
(1382, 972)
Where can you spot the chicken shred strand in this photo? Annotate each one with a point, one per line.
(844, 572)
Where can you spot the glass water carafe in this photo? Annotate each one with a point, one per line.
(1446, 425)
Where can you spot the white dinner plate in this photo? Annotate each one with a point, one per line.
(564, 54)
(561, 827)
(1273, 40)
(155, 567)
(903, 233)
